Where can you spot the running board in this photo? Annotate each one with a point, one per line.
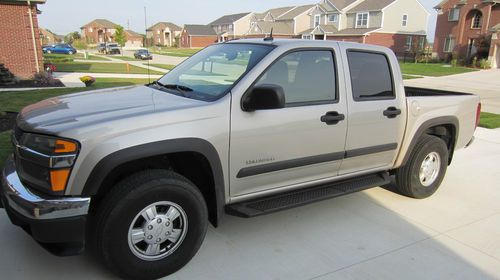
(295, 198)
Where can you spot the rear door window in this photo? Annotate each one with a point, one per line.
(371, 76)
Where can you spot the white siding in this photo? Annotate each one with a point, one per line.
(417, 17)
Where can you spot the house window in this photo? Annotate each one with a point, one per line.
(405, 21)
(307, 37)
(421, 45)
(333, 18)
(409, 42)
(362, 20)
(454, 14)
(477, 20)
(317, 19)
(230, 27)
(449, 44)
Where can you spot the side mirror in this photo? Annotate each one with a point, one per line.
(263, 97)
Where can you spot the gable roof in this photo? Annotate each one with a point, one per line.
(275, 12)
(131, 33)
(228, 19)
(369, 5)
(354, 31)
(278, 27)
(163, 25)
(199, 30)
(321, 29)
(341, 4)
(101, 23)
(293, 13)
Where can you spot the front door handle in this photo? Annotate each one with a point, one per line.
(332, 118)
(392, 112)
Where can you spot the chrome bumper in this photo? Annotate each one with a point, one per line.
(19, 198)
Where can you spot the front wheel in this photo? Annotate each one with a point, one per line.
(150, 225)
(422, 175)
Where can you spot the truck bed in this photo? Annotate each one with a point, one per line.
(415, 92)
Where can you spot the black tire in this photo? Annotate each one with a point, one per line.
(408, 176)
(109, 235)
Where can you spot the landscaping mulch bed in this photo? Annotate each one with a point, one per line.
(34, 84)
(7, 120)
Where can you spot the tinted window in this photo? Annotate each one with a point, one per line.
(371, 77)
(305, 76)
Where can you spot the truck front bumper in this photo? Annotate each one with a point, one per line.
(56, 223)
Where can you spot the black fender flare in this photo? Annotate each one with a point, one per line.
(447, 120)
(113, 160)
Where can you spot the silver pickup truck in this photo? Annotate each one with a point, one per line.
(246, 128)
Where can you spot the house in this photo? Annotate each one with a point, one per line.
(20, 44)
(230, 27)
(163, 34)
(285, 22)
(98, 31)
(197, 36)
(397, 24)
(47, 37)
(468, 28)
(134, 39)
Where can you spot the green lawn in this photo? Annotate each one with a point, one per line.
(16, 100)
(489, 120)
(91, 57)
(96, 67)
(432, 69)
(163, 66)
(58, 58)
(175, 51)
(408, 77)
(122, 57)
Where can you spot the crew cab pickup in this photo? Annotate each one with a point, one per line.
(246, 128)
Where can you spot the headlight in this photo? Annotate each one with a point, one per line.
(51, 159)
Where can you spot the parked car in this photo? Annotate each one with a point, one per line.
(112, 48)
(247, 127)
(59, 48)
(143, 54)
(101, 47)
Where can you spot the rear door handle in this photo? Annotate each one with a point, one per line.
(332, 118)
(392, 112)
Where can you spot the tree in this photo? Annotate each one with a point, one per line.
(120, 36)
(71, 37)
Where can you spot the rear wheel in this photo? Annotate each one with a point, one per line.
(150, 225)
(422, 175)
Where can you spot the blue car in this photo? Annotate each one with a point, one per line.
(59, 48)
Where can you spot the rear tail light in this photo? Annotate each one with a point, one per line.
(478, 114)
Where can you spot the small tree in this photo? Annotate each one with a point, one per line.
(71, 37)
(120, 36)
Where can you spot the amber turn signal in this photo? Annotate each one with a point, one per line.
(58, 179)
(64, 146)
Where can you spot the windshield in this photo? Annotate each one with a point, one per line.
(213, 71)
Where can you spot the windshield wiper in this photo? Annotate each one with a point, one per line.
(178, 87)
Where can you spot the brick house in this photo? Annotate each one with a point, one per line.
(163, 34)
(47, 37)
(20, 44)
(98, 31)
(134, 39)
(197, 36)
(461, 23)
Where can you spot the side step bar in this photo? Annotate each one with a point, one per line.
(295, 198)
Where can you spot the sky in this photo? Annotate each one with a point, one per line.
(63, 16)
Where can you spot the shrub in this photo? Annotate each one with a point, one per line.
(454, 62)
(484, 63)
(87, 80)
(44, 79)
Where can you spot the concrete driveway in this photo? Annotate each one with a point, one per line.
(484, 83)
(375, 234)
(160, 59)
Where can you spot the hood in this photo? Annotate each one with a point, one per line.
(54, 115)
